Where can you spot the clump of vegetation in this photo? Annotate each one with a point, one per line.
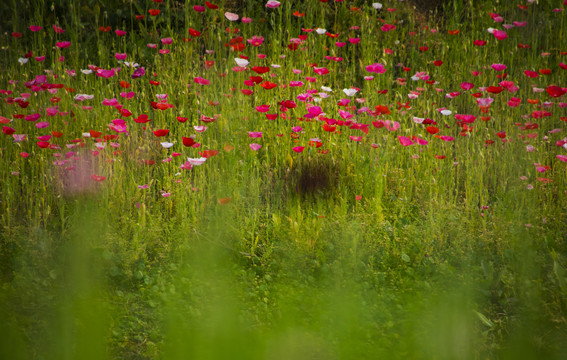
(245, 179)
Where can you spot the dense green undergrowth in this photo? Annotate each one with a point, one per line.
(360, 247)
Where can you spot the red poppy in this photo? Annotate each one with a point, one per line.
(298, 14)
(382, 110)
(161, 132)
(188, 141)
(208, 153)
(260, 69)
(8, 130)
(238, 47)
(154, 12)
(531, 74)
(194, 32)
(555, 91)
(432, 130)
(211, 6)
(95, 134)
(495, 89)
(142, 119)
(268, 85)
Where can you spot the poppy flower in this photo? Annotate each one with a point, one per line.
(199, 80)
(188, 141)
(224, 201)
(531, 74)
(208, 153)
(272, 4)
(405, 141)
(211, 5)
(268, 85)
(194, 32)
(555, 91)
(500, 34)
(161, 132)
(376, 68)
(231, 16)
(432, 130)
(63, 44)
(260, 69)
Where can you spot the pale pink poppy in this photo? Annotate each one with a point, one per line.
(231, 16)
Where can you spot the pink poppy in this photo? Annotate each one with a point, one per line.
(199, 80)
(376, 68)
(405, 141)
(231, 16)
(272, 4)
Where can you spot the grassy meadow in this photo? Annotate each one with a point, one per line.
(283, 180)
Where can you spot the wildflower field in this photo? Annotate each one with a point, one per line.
(316, 179)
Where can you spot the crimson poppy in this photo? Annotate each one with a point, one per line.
(161, 132)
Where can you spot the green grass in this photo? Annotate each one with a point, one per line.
(356, 249)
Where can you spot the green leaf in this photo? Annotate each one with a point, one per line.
(484, 319)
